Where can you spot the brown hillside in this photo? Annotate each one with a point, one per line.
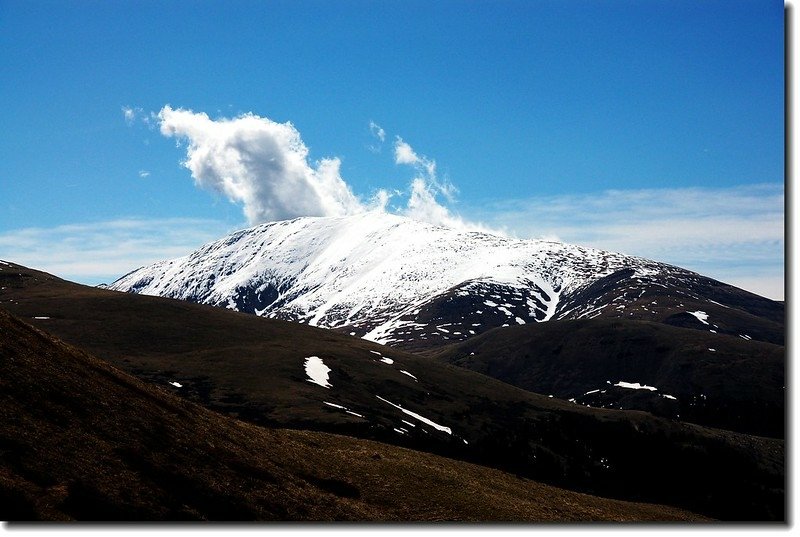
(85, 441)
(253, 368)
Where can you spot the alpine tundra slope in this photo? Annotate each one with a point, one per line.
(415, 285)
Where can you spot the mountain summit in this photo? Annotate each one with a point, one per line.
(406, 283)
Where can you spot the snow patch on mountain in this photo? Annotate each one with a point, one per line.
(403, 371)
(317, 371)
(414, 415)
(700, 316)
(635, 386)
(347, 410)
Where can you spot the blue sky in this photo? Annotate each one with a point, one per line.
(649, 127)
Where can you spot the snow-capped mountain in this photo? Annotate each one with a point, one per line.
(403, 282)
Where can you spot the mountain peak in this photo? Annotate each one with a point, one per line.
(373, 275)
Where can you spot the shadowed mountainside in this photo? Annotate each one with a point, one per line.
(253, 368)
(712, 379)
(83, 440)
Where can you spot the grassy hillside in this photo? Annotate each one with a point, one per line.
(83, 440)
(711, 379)
(253, 368)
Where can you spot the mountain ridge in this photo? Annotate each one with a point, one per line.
(398, 281)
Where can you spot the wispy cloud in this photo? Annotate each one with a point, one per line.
(404, 153)
(425, 190)
(100, 252)
(377, 131)
(144, 174)
(136, 114)
(130, 114)
(733, 234)
(378, 134)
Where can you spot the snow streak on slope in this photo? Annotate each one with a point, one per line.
(378, 275)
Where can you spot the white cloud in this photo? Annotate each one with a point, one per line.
(403, 153)
(380, 200)
(377, 131)
(129, 114)
(735, 235)
(379, 134)
(425, 189)
(425, 167)
(134, 114)
(261, 164)
(150, 119)
(264, 165)
(144, 174)
(93, 253)
(422, 205)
